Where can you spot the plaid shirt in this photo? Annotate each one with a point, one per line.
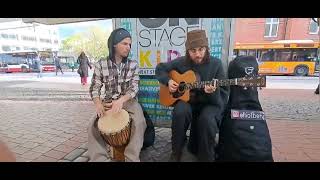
(108, 73)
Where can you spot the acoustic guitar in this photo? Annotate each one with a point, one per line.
(187, 81)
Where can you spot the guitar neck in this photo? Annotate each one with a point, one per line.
(201, 84)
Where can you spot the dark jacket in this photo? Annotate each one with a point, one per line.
(207, 71)
(83, 66)
(57, 61)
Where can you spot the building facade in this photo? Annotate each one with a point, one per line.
(260, 30)
(16, 35)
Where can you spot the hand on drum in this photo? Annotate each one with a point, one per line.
(100, 109)
(116, 106)
(107, 106)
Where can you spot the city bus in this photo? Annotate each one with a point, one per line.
(68, 60)
(283, 57)
(25, 61)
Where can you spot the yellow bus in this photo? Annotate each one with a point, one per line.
(283, 57)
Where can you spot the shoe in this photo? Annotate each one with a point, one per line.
(187, 156)
(174, 157)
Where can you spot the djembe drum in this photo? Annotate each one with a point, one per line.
(115, 129)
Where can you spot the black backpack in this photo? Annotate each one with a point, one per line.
(149, 134)
(244, 134)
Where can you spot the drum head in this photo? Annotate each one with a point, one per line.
(113, 122)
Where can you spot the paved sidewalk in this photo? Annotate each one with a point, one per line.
(55, 129)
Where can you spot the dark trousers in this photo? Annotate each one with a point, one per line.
(58, 68)
(204, 127)
(317, 90)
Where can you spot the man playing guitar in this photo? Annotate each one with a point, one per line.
(205, 107)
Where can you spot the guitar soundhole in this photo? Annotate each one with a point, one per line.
(180, 90)
(182, 87)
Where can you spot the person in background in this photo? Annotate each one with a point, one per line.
(83, 67)
(57, 63)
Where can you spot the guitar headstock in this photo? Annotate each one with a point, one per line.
(252, 81)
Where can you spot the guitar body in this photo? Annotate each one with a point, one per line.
(167, 98)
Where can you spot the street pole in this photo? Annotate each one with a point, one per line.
(318, 21)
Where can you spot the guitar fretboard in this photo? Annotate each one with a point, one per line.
(258, 81)
(201, 84)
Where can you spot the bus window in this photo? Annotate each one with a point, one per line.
(283, 55)
(267, 55)
(252, 52)
(242, 52)
(304, 54)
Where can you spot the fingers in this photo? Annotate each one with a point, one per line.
(172, 89)
(107, 106)
(99, 110)
(115, 107)
(172, 83)
(209, 88)
(173, 86)
(100, 113)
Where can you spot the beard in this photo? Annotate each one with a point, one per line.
(198, 60)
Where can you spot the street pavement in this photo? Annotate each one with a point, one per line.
(47, 119)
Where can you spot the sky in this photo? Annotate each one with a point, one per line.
(66, 30)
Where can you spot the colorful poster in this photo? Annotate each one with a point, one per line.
(162, 40)
(149, 99)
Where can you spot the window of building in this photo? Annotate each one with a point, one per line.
(45, 40)
(4, 36)
(314, 28)
(12, 36)
(28, 38)
(271, 28)
(26, 48)
(6, 48)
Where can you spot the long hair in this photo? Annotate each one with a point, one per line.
(82, 55)
(206, 57)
